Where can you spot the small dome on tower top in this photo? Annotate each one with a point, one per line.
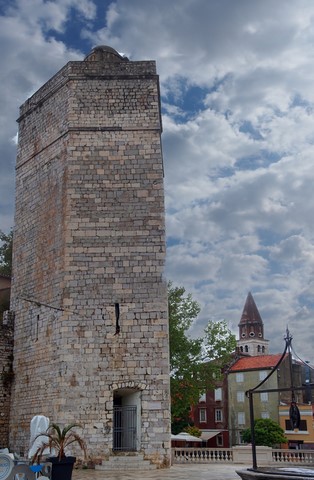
(104, 53)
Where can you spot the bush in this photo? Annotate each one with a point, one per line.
(267, 432)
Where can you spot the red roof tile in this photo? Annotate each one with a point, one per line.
(253, 363)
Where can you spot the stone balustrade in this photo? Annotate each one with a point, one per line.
(242, 454)
(305, 457)
(202, 455)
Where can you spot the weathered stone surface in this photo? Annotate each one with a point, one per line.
(89, 236)
(6, 377)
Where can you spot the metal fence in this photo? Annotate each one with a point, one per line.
(124, 428)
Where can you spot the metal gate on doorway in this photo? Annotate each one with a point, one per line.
(124, 428)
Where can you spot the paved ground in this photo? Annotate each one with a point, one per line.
(177, 472)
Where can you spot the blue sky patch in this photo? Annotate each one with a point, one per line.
(189, 100)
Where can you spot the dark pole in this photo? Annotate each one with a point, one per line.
(252, 430)
(308, 393)
(288, 340)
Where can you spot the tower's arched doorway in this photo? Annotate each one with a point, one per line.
(126, 419)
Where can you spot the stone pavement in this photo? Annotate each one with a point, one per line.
(211, 471)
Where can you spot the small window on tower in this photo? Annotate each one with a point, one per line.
(252, 334)
(117, 312)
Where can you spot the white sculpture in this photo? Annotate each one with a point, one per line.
(39, 424)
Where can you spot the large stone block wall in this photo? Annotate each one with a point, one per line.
(90, 237)
(6, 377)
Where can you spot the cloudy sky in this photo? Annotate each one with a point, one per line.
(237, 85)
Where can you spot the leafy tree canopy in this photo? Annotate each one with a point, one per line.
(6, 241)
(267, 432)
(218, 342)
(195, 363)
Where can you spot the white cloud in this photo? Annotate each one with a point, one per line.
(238, 173)
(238, 154)
(49, 15)
(30, 55)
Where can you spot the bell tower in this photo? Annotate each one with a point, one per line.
(251, 330)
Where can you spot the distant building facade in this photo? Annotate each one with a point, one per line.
(253, 366)
(245, 374)
(211, 415)
(303, 437)
(250, 365)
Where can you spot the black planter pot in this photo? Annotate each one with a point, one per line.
(61, 469)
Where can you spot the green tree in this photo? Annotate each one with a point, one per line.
(5, 267)
(267, 432)
(218, 342)
(185, 354)
(4, 305)
(195, 363)
(6, 241)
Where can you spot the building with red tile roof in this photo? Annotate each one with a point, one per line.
(255, 363)
(246, 374)
(223, 414)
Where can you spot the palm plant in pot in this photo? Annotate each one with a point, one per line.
(56, 441)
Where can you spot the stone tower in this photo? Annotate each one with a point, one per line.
(90, 301)
(251, 330)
